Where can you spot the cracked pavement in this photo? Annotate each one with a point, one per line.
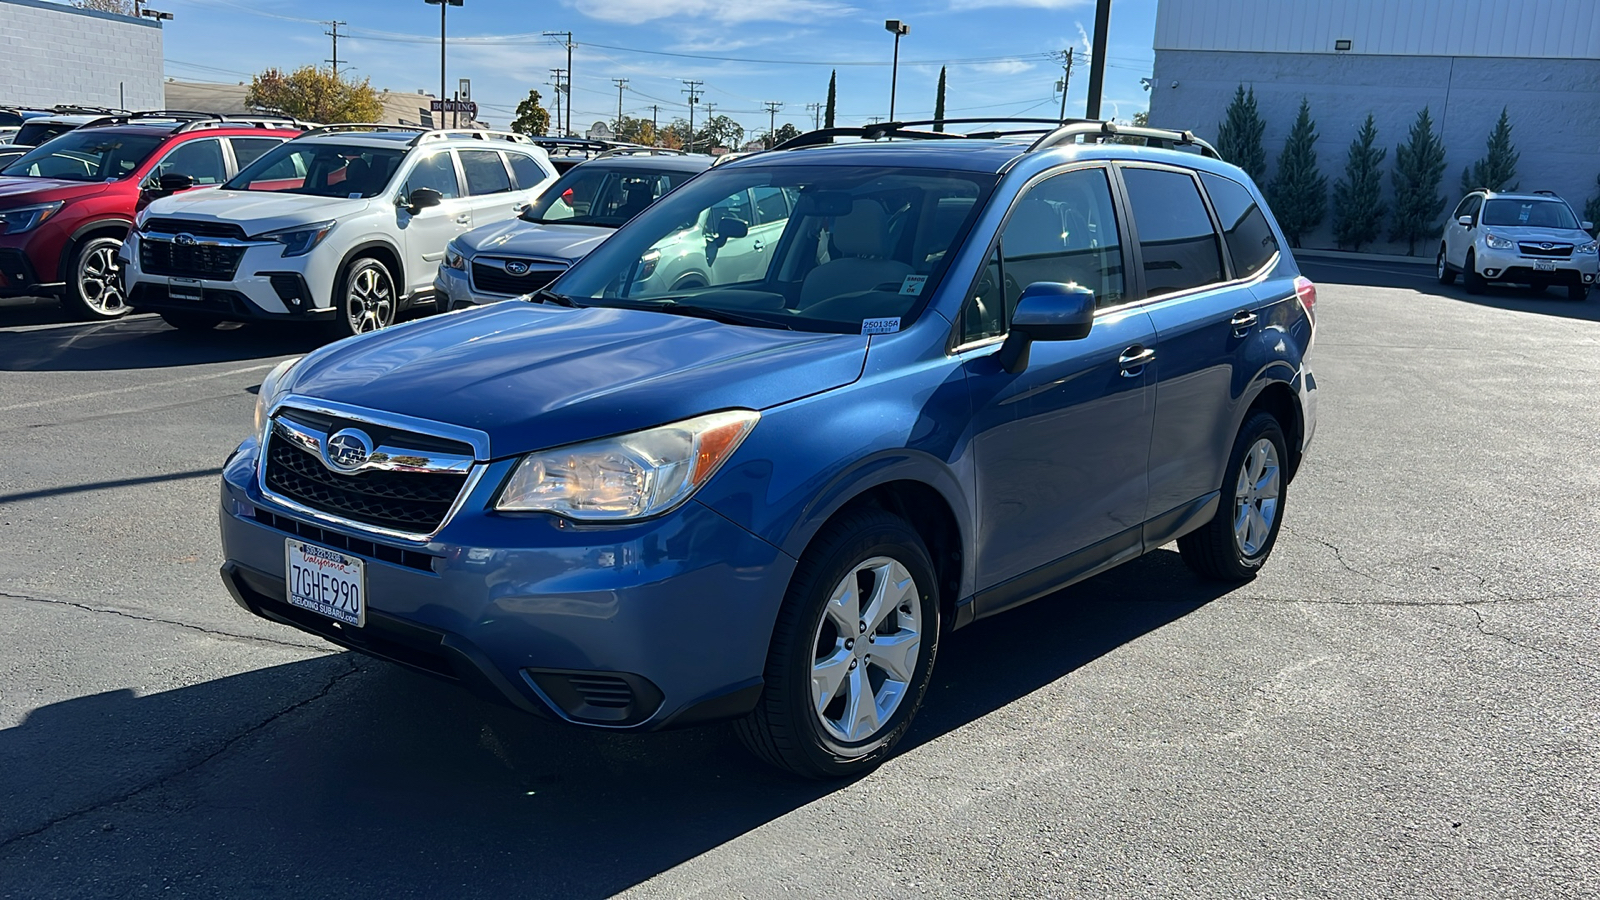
(1400, 706)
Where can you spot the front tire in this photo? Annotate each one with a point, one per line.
(1470, 277)
(1577, 291)
(852, 652)
(1447, 275)
(366, 298)
(1235, 544)
(94, 280)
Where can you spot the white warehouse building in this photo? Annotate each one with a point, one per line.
(1464, 60)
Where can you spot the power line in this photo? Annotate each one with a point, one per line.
(567, 128)
(692, 88)
(335, 35)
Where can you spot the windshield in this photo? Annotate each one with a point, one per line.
(321, 170)
(88, 154)
(600, 195)
(33, 134)
(811, 248)
(1529, 213)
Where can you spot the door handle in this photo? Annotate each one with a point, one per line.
(758, 245)
(1243, 321)
(1134, 359)
(464, 219)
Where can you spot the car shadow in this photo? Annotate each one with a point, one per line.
(144, 342)
(1550, 302)
(390, 778)
(1418, 277)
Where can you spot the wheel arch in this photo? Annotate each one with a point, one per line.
(1278, 399)
(117, 228)
(384, 252)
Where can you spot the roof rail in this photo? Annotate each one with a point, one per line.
(171, 115)
(363, 126)
(1154, 137)
(73, 109)
(640, 150)
(478, 134)
(1548, 193)
(1053, 133)
(247, 121)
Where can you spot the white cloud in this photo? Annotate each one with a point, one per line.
(633, 12)
(1031, 4)
(1083, 38)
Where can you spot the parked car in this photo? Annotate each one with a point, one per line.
(1532, 239)
(345, 226)
(971, 371)
(35, 130)
(67, 205)
(572, 217)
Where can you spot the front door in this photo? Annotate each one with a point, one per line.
(428, 232)
(1458, 237)
(1062, 448)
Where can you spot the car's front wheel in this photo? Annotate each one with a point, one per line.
(366, 297)
(852, 652)
(1447, 275)
(1235, 544)
(94, 281)
(1577, 291)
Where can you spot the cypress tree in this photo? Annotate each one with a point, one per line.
(827, 115)
(1496, 169)
(1299, 193)
(1239, 135)
(1591, 210)
(1418, 170)
(1358, 207)
(938, 103)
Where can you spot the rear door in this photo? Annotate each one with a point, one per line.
(426, 234)
(490, 191)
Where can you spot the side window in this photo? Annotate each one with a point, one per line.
(984, 314)
(248, 150)
(1251, 243)
(772, 205)
(486, 173)
(527, 170)
(1175, 234)
(1474, 205)
(1064, 230)
(1464, 209)
(734, 207)
(438, 172)
(200, 160)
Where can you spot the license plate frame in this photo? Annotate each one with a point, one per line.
(325, 581)
(185, 289)
(1544, 265)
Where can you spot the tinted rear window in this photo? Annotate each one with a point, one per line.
(1251, 243)
(1175, 234)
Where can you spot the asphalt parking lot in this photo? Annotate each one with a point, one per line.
(1401, 706)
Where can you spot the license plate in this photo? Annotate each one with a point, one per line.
(326, 582)
(184, 289)
(1544, 265)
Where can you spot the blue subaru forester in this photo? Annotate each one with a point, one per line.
(941, 376)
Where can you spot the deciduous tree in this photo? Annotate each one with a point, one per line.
(1239, 134)
(636, 131)
(785, 132)
(1418, 171)
(1497, 170)
(314, 94)
(719, 131)
(1299, 193)
(1358, 207)
(120, 7)
(532, 118)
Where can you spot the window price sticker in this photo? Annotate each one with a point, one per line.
(880, 326)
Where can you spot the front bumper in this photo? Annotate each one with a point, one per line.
(674, 615)
(456, 292)
(19, 278)
(266, 286)
(1512, 266)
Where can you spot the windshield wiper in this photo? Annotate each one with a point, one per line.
(545, 295)
(715, 314)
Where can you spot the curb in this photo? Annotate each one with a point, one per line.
(1363, 257)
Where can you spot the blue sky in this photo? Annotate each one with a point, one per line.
(1000, 49)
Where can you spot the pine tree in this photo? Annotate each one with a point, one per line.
(1239, 135)
(827, 116)
(1496, 169)
(1418, 171)
(1358, 207)
(938, 104)
(1591, 210)
(1299, 193)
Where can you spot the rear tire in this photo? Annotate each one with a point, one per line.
(1235, 544)
(190, 321)
(1447, 275)
(94, 280)
(1470, 277)
(828, 710)
(1577, 291)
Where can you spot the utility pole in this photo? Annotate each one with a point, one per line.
(567, 35)
(693, 90)
(335, 35)
(655, 125)
(816, 115)
(1097, 62)
(622, 84)
(1066, 81)
(444, 6)
(555, 81)
(772, 122)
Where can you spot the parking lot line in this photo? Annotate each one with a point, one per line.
(33, 404)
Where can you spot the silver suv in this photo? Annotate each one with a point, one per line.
(1531, 239)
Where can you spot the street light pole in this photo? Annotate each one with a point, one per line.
(444, 6)
(896, 28)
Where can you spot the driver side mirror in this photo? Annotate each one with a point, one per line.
(1586, 225)
(1046, 311)
(422, 198)
(166, 185)
(1464, 221)
(727, 227)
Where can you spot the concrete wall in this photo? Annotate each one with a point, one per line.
(1554, 107)
(51, 53)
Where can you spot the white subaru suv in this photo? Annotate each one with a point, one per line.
(1532, 239)
(345, 225)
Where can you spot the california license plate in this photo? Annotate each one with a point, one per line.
(326, 582)
(1544, 265)
(184, 289)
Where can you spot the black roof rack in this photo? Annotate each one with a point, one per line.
(1548, 193)
(364, 126)
(171, 115)
(1053, 133)
(72, 109)
(642, 150)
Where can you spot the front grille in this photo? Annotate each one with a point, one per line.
(198, 229)
(411, 559)
(189, 261)
(495, 280)
(1555, 251)
(409, 502)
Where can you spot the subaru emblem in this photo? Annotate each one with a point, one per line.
(347, 450)
(185, 239)
(1547, 245)
(516, 267)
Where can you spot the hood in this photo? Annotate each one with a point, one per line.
(533, 376)
(519, 238)
(255, 211)
(20, 190)
(1539, 233)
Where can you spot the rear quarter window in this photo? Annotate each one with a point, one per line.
(1251, 243)
(1176, 238)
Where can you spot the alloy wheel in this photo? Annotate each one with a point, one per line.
(866, 649)
(100, 279)
(1255, 498)
(370, 304)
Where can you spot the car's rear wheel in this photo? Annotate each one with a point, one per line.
(1470, 278)
(1447, 275)
(852, 652)
(366, 298)
(94, 280)
(1235, 544)
(1577, 291)
(190, 321)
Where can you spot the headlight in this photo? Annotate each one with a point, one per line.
(1591, 247)
(268, 392)
(630, 476)
(299, 240)
(453, 259)
(1495, 242)
(26, 218)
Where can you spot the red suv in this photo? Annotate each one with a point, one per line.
(66, 205)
